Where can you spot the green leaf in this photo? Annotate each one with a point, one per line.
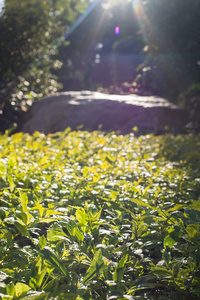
(109, 159)
(25, 218)
(195, 205)
(38, 272)
(24, 201)
(114, 195)
(119, 270)
(10, 289)
(167, 257)
(55, 235)
(33, 295)
(11, 183)
(40, 208)
(97, 266)
(21, 257)
(51, 286)
(52, 258)
(12, 161)
(169, 241)
(192, 229)
(21, 288)
(144, 279)
(78, 234)
(3, 169)
(9, 273)
(42, 241)
(161, 271)
(81, 217)
(142, 203)
(21, 228)
(46, 220)
(71, 226)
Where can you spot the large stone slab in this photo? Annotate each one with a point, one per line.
(96, 110)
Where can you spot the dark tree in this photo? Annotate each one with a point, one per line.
(31, 32)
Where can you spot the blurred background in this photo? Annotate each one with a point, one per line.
(144, 47)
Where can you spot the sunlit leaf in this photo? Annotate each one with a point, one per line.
(75, 225)
(24, 201)
(21, 288)
(81, 216)
(40, 208)
(12, 161)
(169, 241)
(3, 169)
(10, 288)
(54, 235)
(11, 183)
(142, 203)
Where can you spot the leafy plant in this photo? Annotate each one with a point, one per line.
(99, 216)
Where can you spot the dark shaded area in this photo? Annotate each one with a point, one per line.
(96, 57)
(158, 48)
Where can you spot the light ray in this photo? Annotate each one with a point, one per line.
(81, 18)
(141, 17)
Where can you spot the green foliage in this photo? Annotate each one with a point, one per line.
(31, 32)
(170, 29)
(94, 216)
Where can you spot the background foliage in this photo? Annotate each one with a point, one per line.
(31, 31)
(171, 31)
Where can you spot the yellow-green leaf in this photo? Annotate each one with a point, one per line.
(192, 229)
(21, 288)
(11, 183)
(169, 241)
(24, 201)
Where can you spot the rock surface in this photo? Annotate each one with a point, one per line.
(96, 110)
